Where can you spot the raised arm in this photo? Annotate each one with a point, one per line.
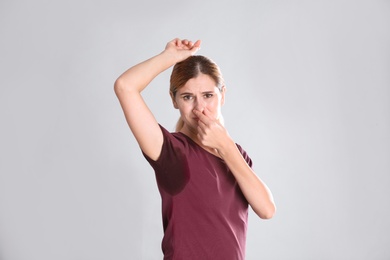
(128, 88)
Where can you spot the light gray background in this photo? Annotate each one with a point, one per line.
(308, 98)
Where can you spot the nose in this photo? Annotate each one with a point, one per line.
(199, 104)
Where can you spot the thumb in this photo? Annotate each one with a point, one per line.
(196, 46)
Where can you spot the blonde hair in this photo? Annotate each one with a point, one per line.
(191, 68)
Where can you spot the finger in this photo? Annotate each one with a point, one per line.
(202, 117)
(207, 113)
(185, 42)
(197, 44)
(182, 43)
(201, 127)
(203, 120)
(194, 47)
(189, 45)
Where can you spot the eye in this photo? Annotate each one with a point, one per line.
(187, 97)
(208, 95)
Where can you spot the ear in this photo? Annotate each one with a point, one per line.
(173, 100)
(223, 91)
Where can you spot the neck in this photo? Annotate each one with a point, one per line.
(193, 134)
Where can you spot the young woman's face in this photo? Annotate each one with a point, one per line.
(199, 93)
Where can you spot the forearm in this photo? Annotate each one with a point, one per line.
(254, 189)
(139, 76)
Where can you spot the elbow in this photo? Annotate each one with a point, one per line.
(268, 212)
(267, 215)
(118, 86)
(123, 87)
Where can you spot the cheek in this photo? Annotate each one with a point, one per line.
(213, 104)
(186, 108)
(214, 108)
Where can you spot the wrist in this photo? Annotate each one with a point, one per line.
(169, 56)
(164, 60)
(226, 146)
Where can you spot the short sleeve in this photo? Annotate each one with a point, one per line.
(245, 155)
(171, 168)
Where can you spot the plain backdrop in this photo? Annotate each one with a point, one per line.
(308, 97)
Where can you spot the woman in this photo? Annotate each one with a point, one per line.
(205, 179)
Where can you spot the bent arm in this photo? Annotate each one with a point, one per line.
(128, 88)
(254, 189)
(212, 134)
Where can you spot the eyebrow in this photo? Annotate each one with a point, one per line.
(185, 93)
(189, 93)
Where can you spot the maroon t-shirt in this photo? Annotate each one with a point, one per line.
(204, 212)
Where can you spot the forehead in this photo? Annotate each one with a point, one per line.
(201, 83)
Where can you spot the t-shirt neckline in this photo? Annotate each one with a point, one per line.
(195, 143)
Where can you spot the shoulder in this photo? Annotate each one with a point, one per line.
(244, 155)
(174, 144)
(173, 137)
